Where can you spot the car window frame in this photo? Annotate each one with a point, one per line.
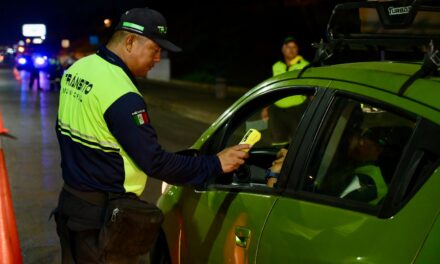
(220, 136)
(300, 168)
(407, 171)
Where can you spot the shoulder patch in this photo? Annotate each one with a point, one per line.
(140, 117)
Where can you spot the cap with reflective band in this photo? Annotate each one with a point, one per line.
(149, 23)
(133, 26)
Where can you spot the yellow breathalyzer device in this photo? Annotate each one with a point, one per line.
(251, 137)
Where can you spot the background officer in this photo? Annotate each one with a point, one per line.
(291, 59)
(285, 114)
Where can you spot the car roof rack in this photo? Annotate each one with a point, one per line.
(391, 26)
(430, 66)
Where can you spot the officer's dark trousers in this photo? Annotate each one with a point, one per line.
(78, 223)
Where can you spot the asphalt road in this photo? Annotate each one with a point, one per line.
(33, 160)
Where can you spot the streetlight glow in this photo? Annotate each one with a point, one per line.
(107, 23)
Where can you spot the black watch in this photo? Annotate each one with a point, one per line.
(271, 174)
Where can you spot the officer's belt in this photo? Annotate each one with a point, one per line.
(96, 198)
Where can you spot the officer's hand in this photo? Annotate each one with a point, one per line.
(233, 157)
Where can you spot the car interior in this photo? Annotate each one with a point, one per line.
(264, 152)
(361, 153)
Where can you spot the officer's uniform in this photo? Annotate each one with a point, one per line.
(281, 67)
(107, 144)
(286, 113)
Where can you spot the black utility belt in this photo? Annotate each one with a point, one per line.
(126, 216)
(96, 198)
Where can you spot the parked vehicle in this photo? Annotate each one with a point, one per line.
(361, 179)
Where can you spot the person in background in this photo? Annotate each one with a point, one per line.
(55, 72)
(284, 115)
(34, 74)
(291, 59)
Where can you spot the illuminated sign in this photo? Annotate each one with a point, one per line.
(34, 30)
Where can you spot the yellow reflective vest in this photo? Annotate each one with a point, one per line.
(107, 142)
(84, 99)
(279, 68)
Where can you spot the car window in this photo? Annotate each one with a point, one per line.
(357, 152)
(277, 118)
(277, 121)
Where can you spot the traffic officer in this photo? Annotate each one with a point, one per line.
(106, 137)
(291, 58)
(285, 114)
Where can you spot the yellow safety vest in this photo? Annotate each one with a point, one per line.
(279, 68)
(84, 98)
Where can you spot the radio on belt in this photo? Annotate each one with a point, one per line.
(251, 137)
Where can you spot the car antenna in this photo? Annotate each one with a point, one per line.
(431, 63)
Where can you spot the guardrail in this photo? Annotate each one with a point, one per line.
(9, 242)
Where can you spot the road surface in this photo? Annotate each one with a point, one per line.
(33, 160)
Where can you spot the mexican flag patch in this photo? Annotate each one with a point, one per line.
(140, 117)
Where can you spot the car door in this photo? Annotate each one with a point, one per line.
(343, 201)
(224, 219)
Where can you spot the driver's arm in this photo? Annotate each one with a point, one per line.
(275, 169)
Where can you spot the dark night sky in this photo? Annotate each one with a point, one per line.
(239, 39)
(63, 18)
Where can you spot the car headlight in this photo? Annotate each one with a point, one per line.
(22, 61)
(40, 61)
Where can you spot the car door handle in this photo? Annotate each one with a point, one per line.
(242, 236)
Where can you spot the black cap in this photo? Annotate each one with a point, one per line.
(149, 23)
(289, 39)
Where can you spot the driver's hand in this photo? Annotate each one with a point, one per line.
(233, 157)
(282, 153)
(271, 182)
(278, 163)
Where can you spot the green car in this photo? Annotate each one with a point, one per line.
(360, 179)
